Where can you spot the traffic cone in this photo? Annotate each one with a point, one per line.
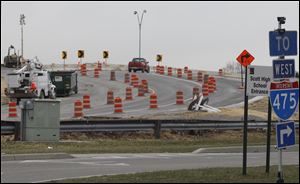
(12, 110)
(78, 109)
(118, 105)
(153, 101)
(110, 97)
(179, 98)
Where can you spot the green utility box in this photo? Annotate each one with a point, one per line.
(65, 82)
(40, 120)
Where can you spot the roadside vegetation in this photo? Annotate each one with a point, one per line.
(211, 175)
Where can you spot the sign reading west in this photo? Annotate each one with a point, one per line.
(284, 68)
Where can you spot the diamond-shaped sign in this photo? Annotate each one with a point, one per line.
(245, 58)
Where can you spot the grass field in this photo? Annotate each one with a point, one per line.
(172, 143)
(211, 175)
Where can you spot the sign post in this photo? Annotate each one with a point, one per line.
(80, 54)
(159, 58)
(245, 58)
(105, 56)
(64, 57)
(284, 96)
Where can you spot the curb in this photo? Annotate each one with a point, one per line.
(37, 156)
(239, 149)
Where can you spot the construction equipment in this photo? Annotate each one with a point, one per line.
(12, 60)
(199, 103)
(31, 81)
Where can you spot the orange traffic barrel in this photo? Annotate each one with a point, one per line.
(100, 66)
(126, 78)
(136, 82)
(179, 73)
(200, 76)
(189, 75)
(12, 109)
(78, 109)
(118, 105)
(162, 70)
(210, 85)
(83, 69)
(145, 84)
(169, 71)
(112, 75)
(196, 91)
(179, 98)
(205, 78)
(220, 72)
(214, 84)
(205, 89)
(86, 101)
(185, 69)
(128, 93)
(157, 69)
(96, 72)
(153, 101)
(141, 90)
(110, 97)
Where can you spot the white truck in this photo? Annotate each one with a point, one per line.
(31, 81)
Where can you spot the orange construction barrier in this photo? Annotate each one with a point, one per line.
(179, 98)
(100, 66)
(210, 85)
(135, 81)
(86, 101)
(12, 109)
(186, 69)
(205, 89)
(153, 101)
(179, 73)
(200, 76)
(169, 71)
(189, 75)
(162, 70)
(83, 69)
(141, 91)
(126, 78)
(96, 72)
(214, 84)
(128, 93)
(78, 109)
(112, 75)
(145, 84)
(118, 105)
(110, 97)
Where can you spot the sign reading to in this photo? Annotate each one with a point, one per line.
(80, 53)
(64, 54)
(105, 54)
(284, 98)
(245, 58)
(283, 44)
(285, 134)
(158, 58)
(258, 80)
(284, 68)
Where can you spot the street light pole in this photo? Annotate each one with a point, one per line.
(140, 29)
(22, 23)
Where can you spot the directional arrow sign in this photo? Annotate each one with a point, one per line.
(158, 58)
(285, 134)
(105, 54)
(80, 53)
(284, 98)
(245, 58)
(64, 54)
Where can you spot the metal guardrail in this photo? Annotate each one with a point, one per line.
(122, 125)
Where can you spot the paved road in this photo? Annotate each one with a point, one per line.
(103, 164)
(165, 87)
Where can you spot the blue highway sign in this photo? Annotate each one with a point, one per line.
(283, 68)
(284, 98)
(285, 134)
(283, 44)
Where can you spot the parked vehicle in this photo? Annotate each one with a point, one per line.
(138, 64)
(31, 81)
(65, 81)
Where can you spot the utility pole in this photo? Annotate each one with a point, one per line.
(140, 29)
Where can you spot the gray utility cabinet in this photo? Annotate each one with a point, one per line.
(40, 120)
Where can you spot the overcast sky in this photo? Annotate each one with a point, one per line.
(201, 35)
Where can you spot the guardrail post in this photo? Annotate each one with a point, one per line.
(157, 129)
(17, 131)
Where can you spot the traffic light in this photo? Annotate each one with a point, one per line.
(158, 57)
(64, 54)
(80, 53)
(105, 54)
